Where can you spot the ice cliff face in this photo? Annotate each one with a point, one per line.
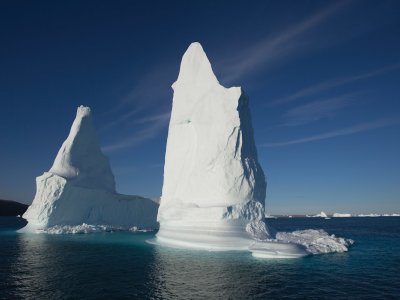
(80, 188)
(211, 171)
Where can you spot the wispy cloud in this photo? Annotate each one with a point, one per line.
(121, 119)
(341, 132)
(271, 49)
(329, 84)
(154, 125)
(154, 118)
(154, 86)
(138, 112)
(317, 110)
(151, 92)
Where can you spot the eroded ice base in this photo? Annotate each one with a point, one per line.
(217, 236)
(223, 236)
(217, 228)
(277, 249)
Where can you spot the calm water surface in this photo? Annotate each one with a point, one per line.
(123, 266)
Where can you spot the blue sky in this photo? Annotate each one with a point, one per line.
(323, 78)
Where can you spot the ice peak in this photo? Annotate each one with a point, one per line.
(195, 67)
(83, 111)
(80, 158)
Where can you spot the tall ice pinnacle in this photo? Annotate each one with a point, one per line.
(196, 68)
(214, 187)
(80, 188)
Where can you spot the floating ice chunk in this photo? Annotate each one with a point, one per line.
(315, 241)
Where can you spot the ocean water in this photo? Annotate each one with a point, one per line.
(122, 265)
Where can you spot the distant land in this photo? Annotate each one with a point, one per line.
(12, 208)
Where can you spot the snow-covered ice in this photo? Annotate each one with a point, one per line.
(80, 188)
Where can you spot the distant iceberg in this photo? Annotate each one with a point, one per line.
(79, 189)
(369, 215)
(267, 216)
(320, 215)
(378, 215)
(340, 215)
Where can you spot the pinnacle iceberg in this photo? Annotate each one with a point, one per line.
(214, 188)
(80, 188)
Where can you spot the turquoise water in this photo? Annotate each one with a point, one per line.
(123, 266)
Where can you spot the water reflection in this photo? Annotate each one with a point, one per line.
(36, 267)
(122, 265)
(181, 274)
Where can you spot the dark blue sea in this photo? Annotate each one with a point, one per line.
(122, 265)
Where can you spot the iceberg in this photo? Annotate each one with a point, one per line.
(79, 189)
(214, 188)
(370, 215)
(267, 216)
(320, 215)
(340, 215)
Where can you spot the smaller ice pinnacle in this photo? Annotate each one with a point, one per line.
(80, 158)
(80, 187)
